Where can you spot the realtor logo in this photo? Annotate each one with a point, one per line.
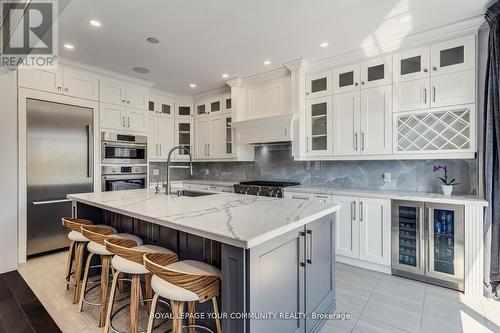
(28, 34)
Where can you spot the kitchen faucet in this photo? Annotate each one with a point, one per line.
(190, 167)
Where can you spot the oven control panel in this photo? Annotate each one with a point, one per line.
(123, 169)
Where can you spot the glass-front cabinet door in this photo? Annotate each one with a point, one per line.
(184, 109)
(376, 72)
(201, 109)
(412, 65)
(183, 137)
(215, 106)
(407, 218)
(346, 79)
(445, 241)
(319, 84)
(166, 107)
(453, 55)
(229, 137)
(319, 126)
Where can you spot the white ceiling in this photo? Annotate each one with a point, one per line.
(201, 39)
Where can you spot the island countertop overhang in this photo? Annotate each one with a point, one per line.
(239, 220)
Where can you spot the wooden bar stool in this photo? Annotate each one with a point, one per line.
(97, 236)
(128, 259)
(186, 281)
(76, 249)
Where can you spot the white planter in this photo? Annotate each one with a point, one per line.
(447, 189)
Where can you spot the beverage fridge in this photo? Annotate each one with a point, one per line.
(428, 243)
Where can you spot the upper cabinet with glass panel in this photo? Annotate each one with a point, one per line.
(453, 55)
(166, 107)
(412, 65)
(376, 72)
(183, 109)
(346, 79)
(319, 84)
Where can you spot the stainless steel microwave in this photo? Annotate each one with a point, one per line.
(123, 148)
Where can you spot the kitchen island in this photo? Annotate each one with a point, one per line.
(277, 256)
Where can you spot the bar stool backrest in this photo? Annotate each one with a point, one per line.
(125, 249)
(96, 234)
(75, 224)
(205, 286)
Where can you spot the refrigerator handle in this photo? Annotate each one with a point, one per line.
(89, 151)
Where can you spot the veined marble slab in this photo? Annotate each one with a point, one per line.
(235, 219)
(389, 194)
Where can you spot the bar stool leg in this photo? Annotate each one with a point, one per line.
(85, 281)
(121, 284)
(111, 301)
(177, 309)
(216, 312)
(78, 270)
(106, 263)
(135, 292)
(149, 290)
(152, 313)
(191, 310)
(69, 262)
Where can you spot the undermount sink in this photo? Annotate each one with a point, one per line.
(188, 193)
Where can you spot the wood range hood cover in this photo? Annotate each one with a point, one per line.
(271, 129)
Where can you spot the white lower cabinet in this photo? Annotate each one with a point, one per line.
(362, 227)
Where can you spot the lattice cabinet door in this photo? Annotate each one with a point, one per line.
(446, 130)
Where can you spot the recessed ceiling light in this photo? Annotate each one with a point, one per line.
(192, 85)
(141, 70)
(267, 62)
(153, 40)
(69, 46)
(225, 75)
(95, 23)
(323, 44)
(405, 18)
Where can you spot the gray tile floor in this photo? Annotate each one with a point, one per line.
(374, 301)
(379, 302)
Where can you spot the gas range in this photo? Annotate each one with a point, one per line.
(263, 188)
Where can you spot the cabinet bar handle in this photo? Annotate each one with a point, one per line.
(307, 143)
(434, 94)
(160, 149)
(362, 141)
(361, 211)
(353, 210)
(310, 252)
(124, 122)
(302, 263)
(156, 147)
(208, 145)
(425, 95)
(128, 121)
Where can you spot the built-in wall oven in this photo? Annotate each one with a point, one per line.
(123, 177)
(428, 242)
(123, 148)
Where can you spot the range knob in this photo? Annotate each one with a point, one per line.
(113, 170)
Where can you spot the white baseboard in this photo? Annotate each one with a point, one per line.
(364, 264)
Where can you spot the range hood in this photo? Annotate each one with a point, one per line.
(271, 129)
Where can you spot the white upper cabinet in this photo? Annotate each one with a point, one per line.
(80, 84)
(453, 55)
(166, 136)
(112, 92)
(319, 126)
(153, 149)
(453, 89)
(346, 123)
(412, 64)
(227, 102)
(412, 95)
(137, 120)
(211, 137)
(201, 109)
(112, 116)
(118, 93)
(183, 109)
(319, 84)
(166, 107)
(376, 121)
(376, 72)
(346, 79)
(64, 81)
(201, 138)
(215, 105)
(153, 104)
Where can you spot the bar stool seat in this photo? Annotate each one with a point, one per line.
(172, 292)
(131, 267)
(78, 237)
(99, 249)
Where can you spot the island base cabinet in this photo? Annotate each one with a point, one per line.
(294, 273)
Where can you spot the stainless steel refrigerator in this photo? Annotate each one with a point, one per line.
(59, 161)
(428, 242)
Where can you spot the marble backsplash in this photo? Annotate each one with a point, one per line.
(275, 162)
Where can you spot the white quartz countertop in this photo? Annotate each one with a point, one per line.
(239, 220)
(389, 194)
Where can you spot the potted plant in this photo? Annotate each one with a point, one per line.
(447, 184)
